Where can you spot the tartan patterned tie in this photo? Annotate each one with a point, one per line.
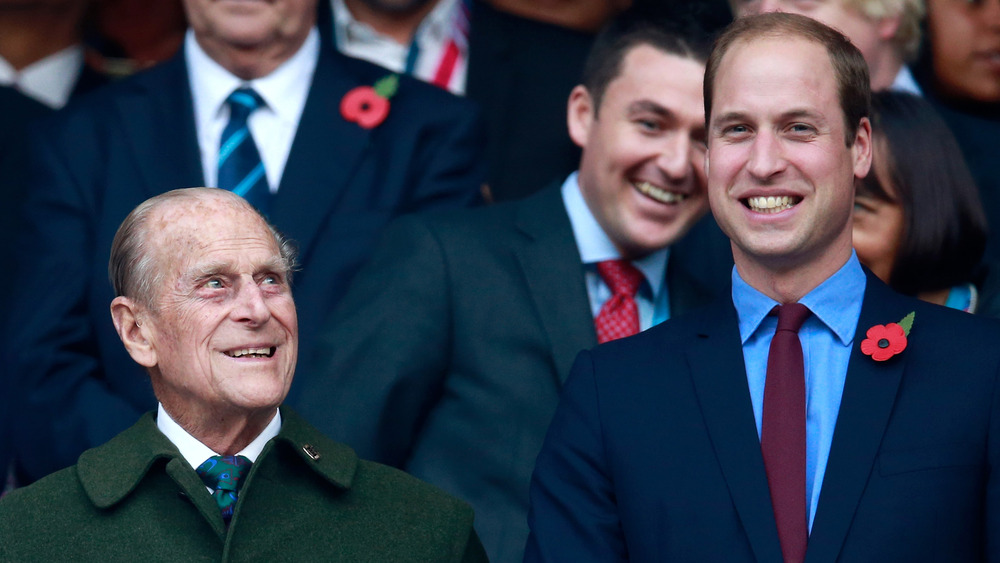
(619, 316)
(240, 168)
(783, 432)
(224, 475)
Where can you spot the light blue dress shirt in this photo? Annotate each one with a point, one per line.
(827, 337)
(595, 246)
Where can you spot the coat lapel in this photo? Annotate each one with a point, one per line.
(869, 395)
(720, 381)
(323, 158)
(157, 116)
(554, 274)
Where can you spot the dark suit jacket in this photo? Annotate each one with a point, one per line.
(17, 112)
(654, 456)
(136, 494)
(135, 139)
(520, 72)
(447, 355)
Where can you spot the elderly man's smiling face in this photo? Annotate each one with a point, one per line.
(222, 330)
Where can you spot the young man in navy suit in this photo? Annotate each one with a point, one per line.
(331, 180)
(871, 434)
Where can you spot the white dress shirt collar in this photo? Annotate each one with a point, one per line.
(195, 453)
(905, 82)
(50, 80)
(284, 92)
(358, 39)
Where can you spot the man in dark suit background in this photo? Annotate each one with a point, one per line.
(518, 70)
(879, 439)
(331, 183)
(447, 355)
(204, 303)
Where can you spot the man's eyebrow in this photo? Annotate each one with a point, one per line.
(640, 106)
(207, 270)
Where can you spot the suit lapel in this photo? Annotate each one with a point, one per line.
(157, 117)
(869, 395)
(719, 376)
(323, 157)
(554, 274)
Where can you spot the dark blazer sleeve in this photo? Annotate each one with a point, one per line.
(573, 515)
(50, 339)
(386, 349)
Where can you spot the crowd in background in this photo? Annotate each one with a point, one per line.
(90, 126)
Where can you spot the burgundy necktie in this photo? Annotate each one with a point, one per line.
(783, 432)
(619, 316)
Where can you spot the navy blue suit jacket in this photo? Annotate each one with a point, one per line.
(653, 453)
(135, 139)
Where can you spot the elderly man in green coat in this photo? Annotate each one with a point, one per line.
(220, 472)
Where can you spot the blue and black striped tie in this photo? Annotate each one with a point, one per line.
(240, 168)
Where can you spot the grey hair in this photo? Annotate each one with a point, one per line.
(132, 268)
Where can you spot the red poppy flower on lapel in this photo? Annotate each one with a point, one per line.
(368, 106)
(885, 341)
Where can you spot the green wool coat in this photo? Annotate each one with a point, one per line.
(135, 498)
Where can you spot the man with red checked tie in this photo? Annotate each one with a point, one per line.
(448, 355)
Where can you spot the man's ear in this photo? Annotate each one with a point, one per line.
(130, 322)
(888, 27)
(580, 115)
(862, 149)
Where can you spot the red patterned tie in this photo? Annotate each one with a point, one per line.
(783, 432)
(619, 316)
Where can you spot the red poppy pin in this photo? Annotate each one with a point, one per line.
(885, 341)
(368, 106)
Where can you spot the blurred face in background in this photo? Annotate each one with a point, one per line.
(964, 38)
(878, 221)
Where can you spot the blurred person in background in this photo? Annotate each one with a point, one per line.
(960, 74)
(41, 50)
(887, 32)
(918, 222)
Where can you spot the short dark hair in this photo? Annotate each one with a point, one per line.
(944, 227)
(680, 35)
(849, 66)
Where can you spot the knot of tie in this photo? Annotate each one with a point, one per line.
(619, 316)
(243, 101)
(621, 276)
(791, 316)
(224, 475)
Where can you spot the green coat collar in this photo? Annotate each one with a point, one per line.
(110, 472)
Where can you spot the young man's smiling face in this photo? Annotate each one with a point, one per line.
(643, 150)
(780, 171)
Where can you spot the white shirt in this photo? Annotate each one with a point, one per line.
(361, 41)
(595, 246)
(50, 80)
(272, 126)
(195, 453)
(905, 82)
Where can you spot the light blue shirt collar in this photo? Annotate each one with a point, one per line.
(836, 302)
(594, 244)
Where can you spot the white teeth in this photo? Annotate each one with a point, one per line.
(659, 194)
(260, 352)
(770, 204)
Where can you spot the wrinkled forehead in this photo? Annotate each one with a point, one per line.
(187, 231)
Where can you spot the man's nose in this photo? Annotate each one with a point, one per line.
(765, 158)
(675, 157)
(250, 306)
